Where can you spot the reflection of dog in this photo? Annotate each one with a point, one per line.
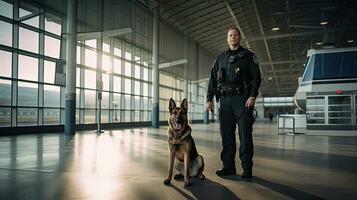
(181, 146)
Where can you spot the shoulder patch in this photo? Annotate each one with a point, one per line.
(255, 59)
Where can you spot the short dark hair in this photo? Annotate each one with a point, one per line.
(233, 28)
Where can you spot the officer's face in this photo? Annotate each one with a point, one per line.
(233, 38)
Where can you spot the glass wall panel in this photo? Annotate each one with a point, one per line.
(90, 98)
(117, 66)
(90, 79)
(5, 33)
(90, 58)
(89, 116)
(6, 62)
(51, 116)
(27, 94)
(5, 92)
(28, 68)
(51, 96)
(26, 116)
(117, 84)
(53, 24)
(6, 9)
(52, 47)
(26, 11)
(5, 116)
(49, 71)
(28, 40)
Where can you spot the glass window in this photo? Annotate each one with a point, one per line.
(137, 71)
(146, 74)
(127, 102)
(127, 69)
(106, 47)
(51, 116)
(28, 40)
(349, 65)
(105, 100)
(5, 92)
(52, 47)
(78, 77)
(106, 63)
(117, 84)
(27, 94)
(26, 116)
(29, 15)
(51, 96)
(145, 89)
(90, 58)
(90, 98)
(117, 66)
(28, 68)
(5, 33)
(137, 87)
(127, 86)
(117, 52)
(127, 55)
(5, 116)
(53, 24)
(89, 116)
(91, 43)
(105, 79)
(6, 63)
(5, 9)
(49, 70)
(105, 116)
(90, 79)
(78, 55)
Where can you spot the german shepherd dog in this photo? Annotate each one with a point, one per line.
(181, 146)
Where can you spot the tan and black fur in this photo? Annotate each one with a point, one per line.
(183, 155)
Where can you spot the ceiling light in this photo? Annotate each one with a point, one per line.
(270, 78)
(323, 23)
(318, 43)
(350, 41)
(275, 29)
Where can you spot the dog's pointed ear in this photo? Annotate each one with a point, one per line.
(184, 104)
(172, 104)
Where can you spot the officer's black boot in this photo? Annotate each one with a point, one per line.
(247, 174)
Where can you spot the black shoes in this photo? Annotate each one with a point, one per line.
(224, 172)
(246, 174)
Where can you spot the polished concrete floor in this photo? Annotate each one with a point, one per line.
(132, 164)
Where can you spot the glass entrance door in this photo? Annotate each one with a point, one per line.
(340, 110)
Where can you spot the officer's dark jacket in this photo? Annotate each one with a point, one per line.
(249, 72)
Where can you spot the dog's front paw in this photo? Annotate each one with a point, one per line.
(187, 183)
(167, 181)
(178, 176)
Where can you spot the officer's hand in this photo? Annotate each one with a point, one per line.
(210, 106)
(250, 102)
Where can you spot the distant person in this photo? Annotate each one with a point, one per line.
(235, 80)
(271, 116)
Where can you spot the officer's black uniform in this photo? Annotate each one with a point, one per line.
(235, 76)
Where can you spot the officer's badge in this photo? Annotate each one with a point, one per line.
(237, 70)
(255, 59)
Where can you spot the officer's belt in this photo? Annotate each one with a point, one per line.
(229, 90)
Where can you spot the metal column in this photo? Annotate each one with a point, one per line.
(71, 40)
(155, 69)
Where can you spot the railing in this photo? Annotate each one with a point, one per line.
(283, 118)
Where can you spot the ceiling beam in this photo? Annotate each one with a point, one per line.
(282, 62)
(307, 33)
(265, 43)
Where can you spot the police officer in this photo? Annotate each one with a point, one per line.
(235, 80)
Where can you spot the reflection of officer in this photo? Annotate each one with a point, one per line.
(234, 80)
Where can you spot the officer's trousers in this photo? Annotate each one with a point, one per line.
(232, 112)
